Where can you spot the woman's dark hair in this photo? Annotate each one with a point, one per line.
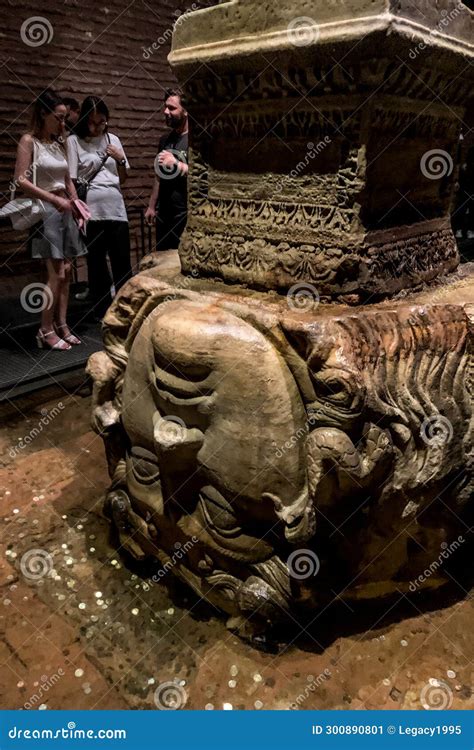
(90, 106)
(44, 105)
(72, 103)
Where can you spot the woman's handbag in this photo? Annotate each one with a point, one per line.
(82, 185)
(24, 212)
(81, 214)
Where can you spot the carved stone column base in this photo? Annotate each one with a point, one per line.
(271, 451)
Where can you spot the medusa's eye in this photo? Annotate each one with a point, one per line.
(339, 388)
(334, 389)
(144, 466)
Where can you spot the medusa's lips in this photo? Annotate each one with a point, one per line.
(179, 391)
(218, 512)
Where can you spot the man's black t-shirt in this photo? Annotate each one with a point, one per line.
(173, 194)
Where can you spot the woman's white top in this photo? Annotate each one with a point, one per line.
(50, 163)
(104, 197)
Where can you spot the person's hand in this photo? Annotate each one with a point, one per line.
(63, 205)
(150, 215)
(167, 159)
(115, 152)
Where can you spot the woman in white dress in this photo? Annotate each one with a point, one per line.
(56, 239)
(97, 160)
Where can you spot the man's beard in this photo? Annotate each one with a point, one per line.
(174, 121)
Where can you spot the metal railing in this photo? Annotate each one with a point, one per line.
(147, 231)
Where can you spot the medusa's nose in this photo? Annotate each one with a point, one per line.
(171, 432)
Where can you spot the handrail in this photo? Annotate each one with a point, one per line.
(146, 235)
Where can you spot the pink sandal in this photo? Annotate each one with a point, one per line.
(43, 343)
(68, 337)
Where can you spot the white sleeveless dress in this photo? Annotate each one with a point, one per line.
(57, 236)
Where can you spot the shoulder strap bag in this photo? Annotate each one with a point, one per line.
(25, 212)
(82, 186)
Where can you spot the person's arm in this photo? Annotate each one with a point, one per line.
(70, 187)
(116, 151)
(150, 213)
(23, 173)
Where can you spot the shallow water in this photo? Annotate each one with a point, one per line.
(81, 626)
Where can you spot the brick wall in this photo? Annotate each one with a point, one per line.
(89, 48)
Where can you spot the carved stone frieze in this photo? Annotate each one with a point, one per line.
(381, 267)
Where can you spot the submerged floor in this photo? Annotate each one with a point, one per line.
(80, 627)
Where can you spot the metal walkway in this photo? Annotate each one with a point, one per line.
(25, 368)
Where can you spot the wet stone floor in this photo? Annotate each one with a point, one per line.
(82, 627)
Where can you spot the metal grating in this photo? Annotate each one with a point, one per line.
(24, 368)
